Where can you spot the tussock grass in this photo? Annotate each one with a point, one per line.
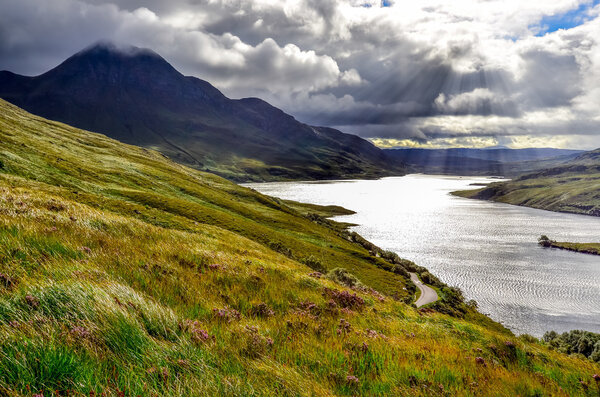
(125, 274)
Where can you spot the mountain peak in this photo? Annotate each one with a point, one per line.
(116, 49)
(110, 63)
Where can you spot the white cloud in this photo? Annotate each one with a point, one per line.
(428, 70)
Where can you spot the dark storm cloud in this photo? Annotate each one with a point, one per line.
(466, 68)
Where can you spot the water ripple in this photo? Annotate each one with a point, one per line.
(487, 249)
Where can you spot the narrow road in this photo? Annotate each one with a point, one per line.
(428, 294)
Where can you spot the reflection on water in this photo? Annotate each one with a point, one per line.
(487, 249)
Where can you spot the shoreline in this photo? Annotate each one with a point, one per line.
(583, 248)
(517, 330)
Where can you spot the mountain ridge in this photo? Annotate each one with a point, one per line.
(136, 96)
(485, 161)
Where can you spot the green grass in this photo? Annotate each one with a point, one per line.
(573, 188)
(125, 274)
(585, 248)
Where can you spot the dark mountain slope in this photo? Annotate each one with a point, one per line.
(134, 95)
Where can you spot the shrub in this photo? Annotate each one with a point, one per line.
(575, 342)
(226, 314)
(345, 299)
(529, 338)
(344, 277)
(451, 302)
(256, 344)
(472, 304)
(262, 310)
(314, 264)
(544, 241)
(430, 279)
(282, 249)
(397, 269)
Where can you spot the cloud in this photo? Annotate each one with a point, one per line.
(430, 72)
(480, 101)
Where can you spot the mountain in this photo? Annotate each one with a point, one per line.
(487, 161)
(124, 273)
(573, 186)
(135, 96)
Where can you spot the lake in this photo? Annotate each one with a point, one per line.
(487, 249)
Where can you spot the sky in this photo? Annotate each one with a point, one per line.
(427, 73)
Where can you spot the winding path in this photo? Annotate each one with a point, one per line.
(428, 294)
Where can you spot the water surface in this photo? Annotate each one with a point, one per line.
(487, 249)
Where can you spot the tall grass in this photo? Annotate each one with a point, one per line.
(181, 293)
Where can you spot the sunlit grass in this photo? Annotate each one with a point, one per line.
(121, 272)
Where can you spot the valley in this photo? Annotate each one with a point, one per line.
(124, 272)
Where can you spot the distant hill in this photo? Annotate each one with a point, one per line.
(573, 186)
(489, 161)
(137, 97)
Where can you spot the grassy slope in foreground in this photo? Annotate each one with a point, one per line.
(573, 188)
(122, 271)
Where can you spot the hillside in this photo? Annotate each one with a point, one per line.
(572, 187)
(135, 96)
(123, 273)
(488, 161)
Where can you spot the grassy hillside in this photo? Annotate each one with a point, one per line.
(126, 274)
(573, 187)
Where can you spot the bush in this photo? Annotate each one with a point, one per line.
(430, 279)
(544, 241)
(344, 277)
(314, 264)
(472, 303)
(451, 302)
(575, 342)
(345, 299)
(529, 338)
(397, 269)
(282, 249)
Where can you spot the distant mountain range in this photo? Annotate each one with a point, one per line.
(487, 161)
(571, 186)
(137, 97)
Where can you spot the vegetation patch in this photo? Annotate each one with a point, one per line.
(122, 273)
(585, 248)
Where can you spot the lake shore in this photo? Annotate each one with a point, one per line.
(584, 248)
(487, 249)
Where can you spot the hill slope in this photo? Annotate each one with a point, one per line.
(124, 273)
(135, 96)
(572, 187)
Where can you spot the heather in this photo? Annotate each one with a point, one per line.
(122, 273)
